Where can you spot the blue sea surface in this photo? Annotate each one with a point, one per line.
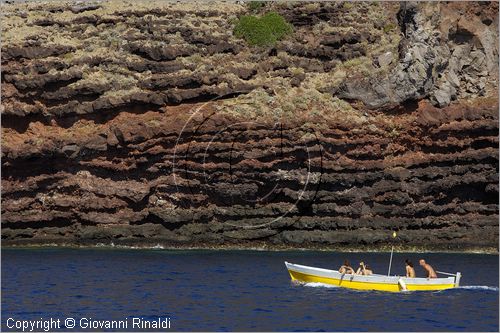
(240, 290)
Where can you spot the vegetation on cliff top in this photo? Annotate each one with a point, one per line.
(262, 31)
(108, 61)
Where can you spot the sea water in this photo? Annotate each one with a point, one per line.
(233, 290)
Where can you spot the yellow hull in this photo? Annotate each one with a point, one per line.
(301, 277)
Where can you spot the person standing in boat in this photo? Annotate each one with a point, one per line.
(431, 274)
(346, 268)
(410, 271)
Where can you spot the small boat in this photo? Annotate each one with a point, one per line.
(306, 274)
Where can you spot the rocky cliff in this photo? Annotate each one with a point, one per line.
(138, 123)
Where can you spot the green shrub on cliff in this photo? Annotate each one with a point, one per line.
(262, 31)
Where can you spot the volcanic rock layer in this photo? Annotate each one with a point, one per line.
(144, 124)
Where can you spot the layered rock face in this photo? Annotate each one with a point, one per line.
(144, 124)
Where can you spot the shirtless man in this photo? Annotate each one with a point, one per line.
(431, 274)
(410, 271)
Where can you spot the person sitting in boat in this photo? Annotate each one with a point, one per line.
(410, 271)
(431, 274)
(346, 268)
(364, 269)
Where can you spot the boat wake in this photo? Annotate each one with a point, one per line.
(479, 288)
(319, 284)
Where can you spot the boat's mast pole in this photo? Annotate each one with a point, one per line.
(390, 261)
(392, 251)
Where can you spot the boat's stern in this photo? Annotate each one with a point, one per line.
(457, 279)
